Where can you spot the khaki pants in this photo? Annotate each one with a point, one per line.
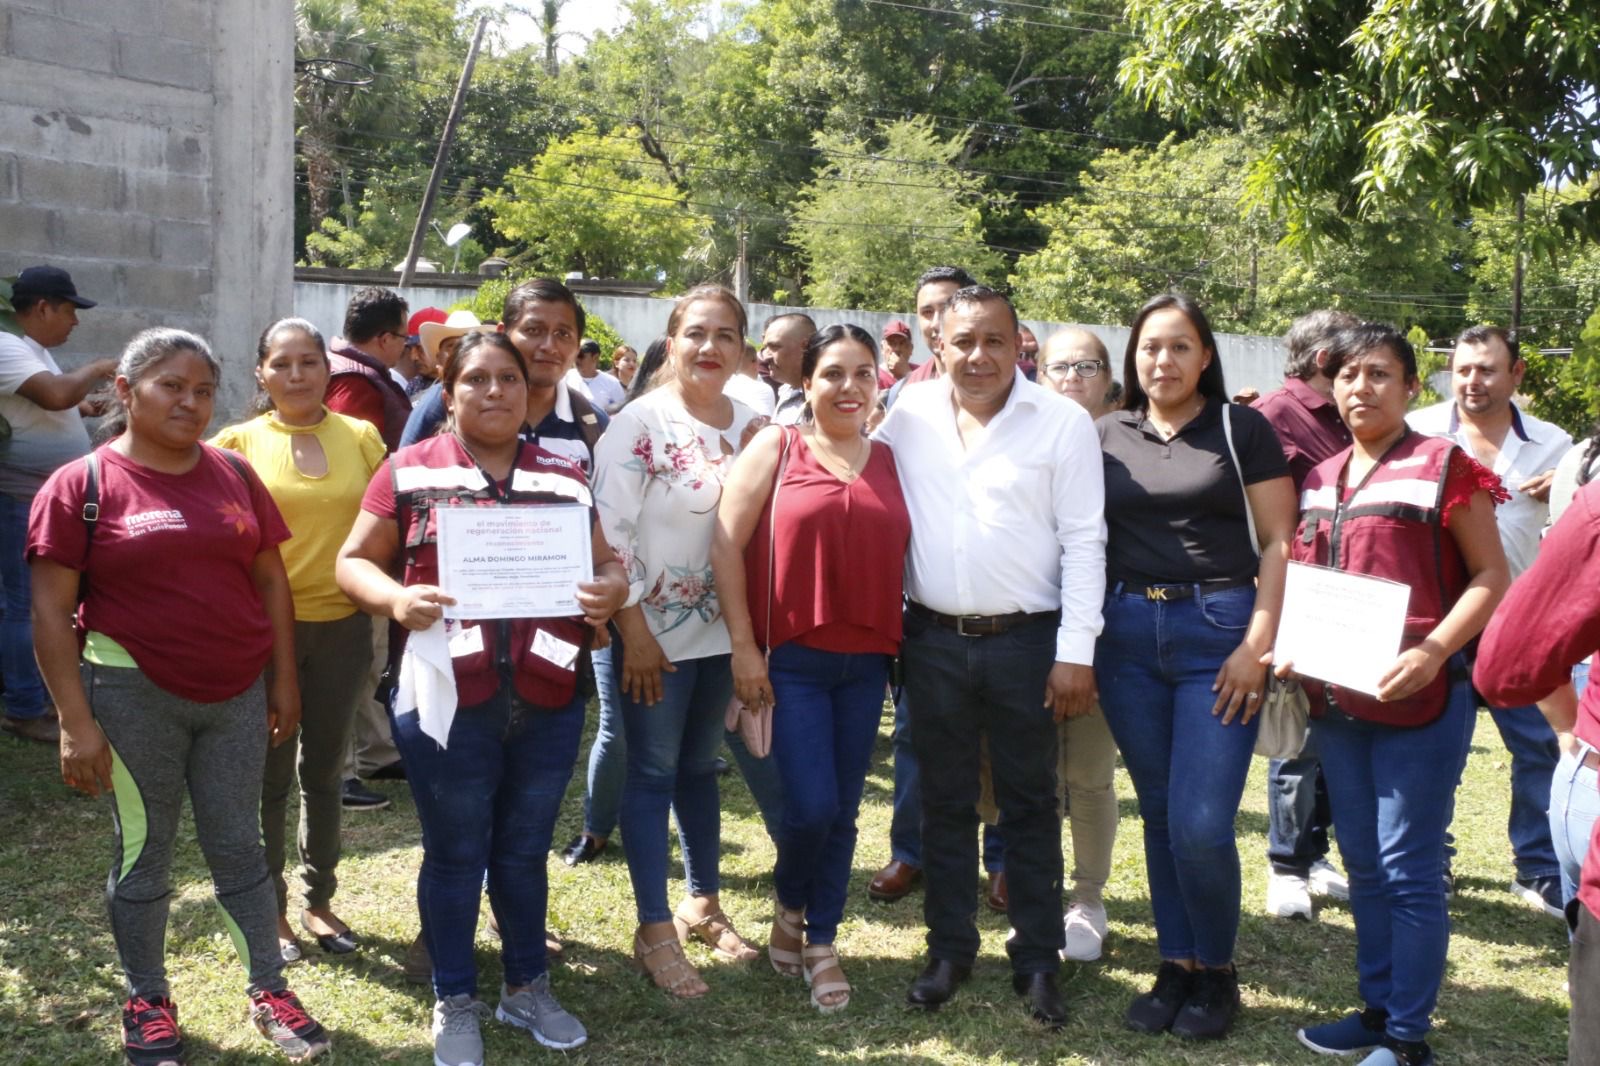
(371, 746)
(1084, 773)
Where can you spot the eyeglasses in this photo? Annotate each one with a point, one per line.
(1085, 368)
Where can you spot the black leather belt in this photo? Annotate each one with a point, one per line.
(981, 625)
(1168, 593)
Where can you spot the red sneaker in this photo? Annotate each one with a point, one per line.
(280, 1018)
(150, 1034)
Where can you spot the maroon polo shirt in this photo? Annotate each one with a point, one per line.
(1549, 620)
(1308, 425)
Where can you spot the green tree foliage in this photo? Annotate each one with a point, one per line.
(382, 231)
(1378, 106)
(1561, 275)
(596, 205)
(8, 318)
(881, 210)
(1178, 216)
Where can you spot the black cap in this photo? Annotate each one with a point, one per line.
(48, 281)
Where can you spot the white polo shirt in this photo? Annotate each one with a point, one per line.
(1532, 447)
(1017, 522)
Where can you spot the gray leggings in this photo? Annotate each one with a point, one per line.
(162, 744)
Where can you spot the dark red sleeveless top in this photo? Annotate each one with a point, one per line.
(841, 552)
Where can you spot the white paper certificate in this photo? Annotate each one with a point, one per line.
(1339, 627)
(514, 562)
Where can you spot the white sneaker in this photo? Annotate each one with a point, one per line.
(1326, 880)
(1288, 895)
(1085, 927)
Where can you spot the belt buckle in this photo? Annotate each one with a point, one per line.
(961, 627)
(1156, 593)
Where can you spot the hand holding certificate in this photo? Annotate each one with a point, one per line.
(1339, 627)
(514, 562)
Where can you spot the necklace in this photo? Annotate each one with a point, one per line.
(844, 470)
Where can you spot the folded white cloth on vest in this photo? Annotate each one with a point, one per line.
(428, 681)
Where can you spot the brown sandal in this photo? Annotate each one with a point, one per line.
(789, 926)
(665, 965)
(825, 978)
(716, 931)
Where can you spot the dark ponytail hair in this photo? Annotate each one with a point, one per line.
(147, 350)
(261, 402)
(1210, 385)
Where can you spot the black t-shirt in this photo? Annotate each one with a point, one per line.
(1174, 510)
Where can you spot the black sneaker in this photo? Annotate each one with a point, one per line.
(1542, 892)
(150, 1034)
(1400, 1053)
(1213, 1001)
(1154, 1011)
(279, 1017)
(358, 797)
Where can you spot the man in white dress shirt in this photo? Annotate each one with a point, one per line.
(746, 387)
(1485, 372)
(783, 347)
(1005, 578)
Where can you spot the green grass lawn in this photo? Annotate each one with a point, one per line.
(61, 991)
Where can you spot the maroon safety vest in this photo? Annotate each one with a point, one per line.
(345, 358)
(439, 472)
(1391, 527)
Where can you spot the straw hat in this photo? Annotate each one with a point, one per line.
(459, 324)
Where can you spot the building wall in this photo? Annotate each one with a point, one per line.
(1247, 360)
(147, 146)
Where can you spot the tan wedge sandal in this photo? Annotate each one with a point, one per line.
(716, 931)
(825, 978)
(788, 928)
(665, 965)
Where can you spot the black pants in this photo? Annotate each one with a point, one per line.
(961, 689)
(1583, 978)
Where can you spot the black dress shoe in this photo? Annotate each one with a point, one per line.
(583, 849)
(936, 983)
(1044, 997)
(334, 943)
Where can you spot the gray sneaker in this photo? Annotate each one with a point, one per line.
(537, 1011)
(456, 1040)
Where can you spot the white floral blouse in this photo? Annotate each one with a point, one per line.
(657, 482)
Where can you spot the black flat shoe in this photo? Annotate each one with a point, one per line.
(1044, 998)
(584, 848)
(1155, 1011)
(936, 983)
(334, 943)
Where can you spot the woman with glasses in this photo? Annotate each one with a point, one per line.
(1076, 365)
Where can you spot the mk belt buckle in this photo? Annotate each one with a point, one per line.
(961, 626)
(1155, 592)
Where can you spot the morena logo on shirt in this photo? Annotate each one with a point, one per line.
(239, 516)
(137, 525)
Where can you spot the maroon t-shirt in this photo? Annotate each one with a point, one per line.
(1308, 426)
(170, 568)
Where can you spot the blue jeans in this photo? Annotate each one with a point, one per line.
(488, 804)
(1155, 663)
(905, 823)
(762, 779)
(1391, 793)
(961, 690)
(1298, 819)
(608, 755)
(25, 696)
(1534, 754)
(672, 756)
(1574, 807)
(824, 724)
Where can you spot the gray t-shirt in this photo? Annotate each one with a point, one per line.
(41, 440)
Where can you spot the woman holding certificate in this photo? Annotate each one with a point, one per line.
(1419, 511)
(1190, 612)
(809, 550)
(488, 761)
(316, 464)
(658, 478)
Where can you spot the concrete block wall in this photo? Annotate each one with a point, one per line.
(147, 146)
(1247, 360)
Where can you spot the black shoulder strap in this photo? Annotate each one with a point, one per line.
(91, 502)
(237, 462)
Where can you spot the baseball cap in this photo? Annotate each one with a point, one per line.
(51, 282)
(896, 328)
(414, 325)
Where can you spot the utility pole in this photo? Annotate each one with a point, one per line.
(426, 210)
(741, 265)
(1516, 277)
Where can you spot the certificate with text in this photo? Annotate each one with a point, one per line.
(1339, 627)
(514, 562)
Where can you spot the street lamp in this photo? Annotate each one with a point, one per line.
(458, 233)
